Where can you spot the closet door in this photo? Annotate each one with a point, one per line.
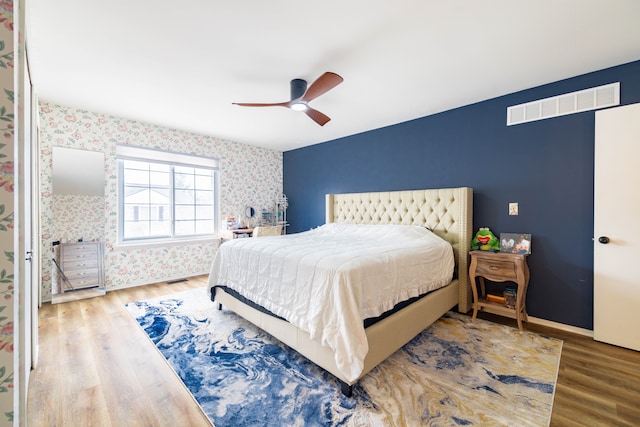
(617, 227)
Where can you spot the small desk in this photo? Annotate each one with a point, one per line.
(499, 267)
(235, 234)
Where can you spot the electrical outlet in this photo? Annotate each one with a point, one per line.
(513, 209)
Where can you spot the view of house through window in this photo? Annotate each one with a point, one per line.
(163, 200)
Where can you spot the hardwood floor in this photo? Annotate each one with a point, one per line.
(97, 368)
(598, 384)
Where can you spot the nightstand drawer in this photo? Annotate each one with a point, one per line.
(496, 269)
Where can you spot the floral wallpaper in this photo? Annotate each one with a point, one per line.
(249, 176)
(7, 236)
(67, 208)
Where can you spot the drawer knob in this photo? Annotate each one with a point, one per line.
(603, 239)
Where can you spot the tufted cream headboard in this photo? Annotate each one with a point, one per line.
(445, 211)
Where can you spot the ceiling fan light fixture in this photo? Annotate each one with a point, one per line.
(299, 106)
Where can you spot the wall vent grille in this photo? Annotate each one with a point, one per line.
(568, 103)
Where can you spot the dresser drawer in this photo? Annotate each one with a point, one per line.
(84, 283)
(91, 273)
(496, 269)
(80, 252)
(81, 264)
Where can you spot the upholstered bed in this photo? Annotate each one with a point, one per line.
(445, 212)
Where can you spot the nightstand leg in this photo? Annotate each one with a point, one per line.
(475, 300)
(524, 293)
(476, 297)
(523, 305)
(519, 305)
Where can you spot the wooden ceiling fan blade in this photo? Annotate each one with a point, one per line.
(323, 84)
(254, 104)
(317, 116)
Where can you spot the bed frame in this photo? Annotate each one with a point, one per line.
(447, 212)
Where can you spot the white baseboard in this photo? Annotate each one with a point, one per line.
(546, 323)
(133, 285)
(561, 326)
(167, 279)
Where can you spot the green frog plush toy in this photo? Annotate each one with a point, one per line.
(485, 240)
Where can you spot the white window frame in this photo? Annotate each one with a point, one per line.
(127, 152)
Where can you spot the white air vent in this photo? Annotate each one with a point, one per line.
(569, 103)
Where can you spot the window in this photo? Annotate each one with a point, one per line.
(165, 195)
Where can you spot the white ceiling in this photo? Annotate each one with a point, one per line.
(181, 64)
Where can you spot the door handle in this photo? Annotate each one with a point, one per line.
(603, 239)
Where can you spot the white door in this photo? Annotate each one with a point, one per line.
(616, 281)
(24, 250)
(34, 181)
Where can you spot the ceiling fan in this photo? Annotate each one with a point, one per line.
(301, 96)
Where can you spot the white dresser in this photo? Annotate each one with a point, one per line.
(82, 265)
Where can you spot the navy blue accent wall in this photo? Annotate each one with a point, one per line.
(545, 166)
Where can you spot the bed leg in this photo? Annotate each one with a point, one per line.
(346, 389)
(219, 306)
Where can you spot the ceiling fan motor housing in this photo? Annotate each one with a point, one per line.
(298, 88)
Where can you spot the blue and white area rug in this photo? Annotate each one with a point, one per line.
(457, 372)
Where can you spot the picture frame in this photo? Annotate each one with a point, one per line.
(515, 243)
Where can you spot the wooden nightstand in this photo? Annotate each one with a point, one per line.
(499, 267)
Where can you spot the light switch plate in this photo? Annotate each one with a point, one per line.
(513, 209)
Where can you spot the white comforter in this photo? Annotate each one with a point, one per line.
(328, 280)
